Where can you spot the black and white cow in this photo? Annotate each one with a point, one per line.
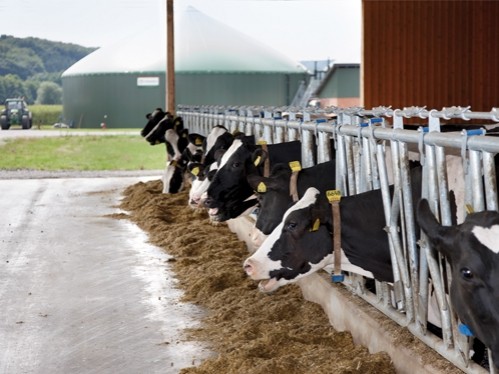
(181, 146)
(302, 243)
(472, 249)
(201, 178)
(186, 148)
(229, 194)
(158, 122)
(275, 196)
(218, 139)
(216, 143)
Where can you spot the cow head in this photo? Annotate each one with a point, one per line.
(218, 139)
(200, 181)
(157, 123)
(273, 197)
(228, 193)
(298, 246)
(472, 249)
(193, 152)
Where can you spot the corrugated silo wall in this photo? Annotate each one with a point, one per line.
(433, 53)
(88, 98)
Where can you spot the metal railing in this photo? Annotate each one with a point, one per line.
(373, 150)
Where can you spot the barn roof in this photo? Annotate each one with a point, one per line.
(202, 44)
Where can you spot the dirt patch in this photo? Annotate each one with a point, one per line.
(251, 332)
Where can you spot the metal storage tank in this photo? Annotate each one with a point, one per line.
(214, 65)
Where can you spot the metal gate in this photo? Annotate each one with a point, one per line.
(373, 150)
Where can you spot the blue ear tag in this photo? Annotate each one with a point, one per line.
(337, 278)
(465, 330)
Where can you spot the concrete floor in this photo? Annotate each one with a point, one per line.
(81, 292)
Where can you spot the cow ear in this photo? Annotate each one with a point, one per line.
(238, 135)
(259, 156)
(319, 212)
(196, 139)
(195, 168)
(257, 183)
(438, 235)
(148, 115)
(248, 139)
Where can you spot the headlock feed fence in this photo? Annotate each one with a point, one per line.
(373, 150)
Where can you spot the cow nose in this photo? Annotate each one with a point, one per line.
(248, 267)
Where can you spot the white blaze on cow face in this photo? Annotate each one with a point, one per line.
(197, 193)
(236, 144)
(213, 136)
(225, 158)
(172, 137)
(259, 265)
(488, 236)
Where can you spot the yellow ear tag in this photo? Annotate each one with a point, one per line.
(316, 225)
(173, 163)
(295, 166)
(198, 141)
(333, 195)
(469, 209)
(262, 142)
(262, 188)
(257, 160)
(195, 171)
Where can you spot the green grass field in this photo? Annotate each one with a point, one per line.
(88, 152)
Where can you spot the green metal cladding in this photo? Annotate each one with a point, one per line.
(214, 65)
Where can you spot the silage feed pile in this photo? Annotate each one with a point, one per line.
(250, 332)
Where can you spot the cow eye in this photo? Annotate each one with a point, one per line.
(466, 273)
(236, 164)
(291, 226)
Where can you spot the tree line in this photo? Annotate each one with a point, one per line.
(32, 68)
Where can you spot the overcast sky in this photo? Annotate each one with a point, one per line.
(301, 29)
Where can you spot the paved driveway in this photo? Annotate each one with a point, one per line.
(81, 292)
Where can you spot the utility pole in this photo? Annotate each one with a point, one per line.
(170, 59)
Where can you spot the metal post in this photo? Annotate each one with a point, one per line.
(170, 58)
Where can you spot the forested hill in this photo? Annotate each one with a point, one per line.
(30, 58)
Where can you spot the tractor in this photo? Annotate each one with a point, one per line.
(15, 113)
